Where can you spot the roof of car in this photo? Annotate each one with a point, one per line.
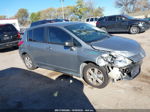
(115, 15)
(58, 24)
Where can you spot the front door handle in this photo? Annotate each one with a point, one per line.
(50, 48)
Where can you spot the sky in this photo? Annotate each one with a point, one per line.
(10, 7)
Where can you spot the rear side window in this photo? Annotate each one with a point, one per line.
(58, 36)
(113, 18)
(38, 35)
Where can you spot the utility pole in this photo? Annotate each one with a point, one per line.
(62, 6)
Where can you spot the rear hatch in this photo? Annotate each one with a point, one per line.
(8, 33)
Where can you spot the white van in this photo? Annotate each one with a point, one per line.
(11, 21)
(92, 20)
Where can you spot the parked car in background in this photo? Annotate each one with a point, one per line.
(148, 19)
(122, 23)
(10, 21)
(9, 36)
(92, 20)
(82, 50)
(47, 21)
(60, 20)
(41, 22)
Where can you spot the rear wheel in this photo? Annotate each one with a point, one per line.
(134, 30)
(95, 76)
(28, 62)
(103, 28)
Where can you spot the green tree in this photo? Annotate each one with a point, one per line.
(68, 12)
(80, 9)
(35, 17)
(98, 12)
(2, 17)
(22, 16)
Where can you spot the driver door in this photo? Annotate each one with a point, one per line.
(61, 57)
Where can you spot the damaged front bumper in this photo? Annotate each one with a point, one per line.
(131, 71)
(125, 73)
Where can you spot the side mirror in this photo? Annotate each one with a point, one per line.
(69, 44)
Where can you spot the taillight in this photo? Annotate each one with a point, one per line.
(18, 35)
(97, 23)
(20, 43)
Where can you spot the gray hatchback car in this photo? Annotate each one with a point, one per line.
(81, 50)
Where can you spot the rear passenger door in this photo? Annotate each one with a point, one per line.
(37, 47)
(111, 24)
(61, 57)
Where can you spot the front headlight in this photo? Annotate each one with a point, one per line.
(141, 23)
(121, 61)
(113, 59)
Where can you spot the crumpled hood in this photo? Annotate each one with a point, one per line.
(123, 46)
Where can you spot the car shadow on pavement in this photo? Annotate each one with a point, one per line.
(119, 33)
(25, 90)
(8, 49)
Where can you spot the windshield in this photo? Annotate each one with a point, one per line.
(129, 17)
(87, 33)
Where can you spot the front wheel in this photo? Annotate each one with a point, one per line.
(95, 76)
(134, 30)
(28, 62)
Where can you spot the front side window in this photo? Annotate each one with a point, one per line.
(121, 18)
(87, 33)
(38, 35)
(58, 36)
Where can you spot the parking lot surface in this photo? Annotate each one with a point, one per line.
(45, 89)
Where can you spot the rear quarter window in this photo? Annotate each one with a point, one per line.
(30, 36)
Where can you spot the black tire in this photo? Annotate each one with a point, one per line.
(104, 76)
(32, 65)
(15, 47)
(134, 30)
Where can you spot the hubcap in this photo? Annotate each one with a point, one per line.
(95, 76)
(28, 62)
(134, 30)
